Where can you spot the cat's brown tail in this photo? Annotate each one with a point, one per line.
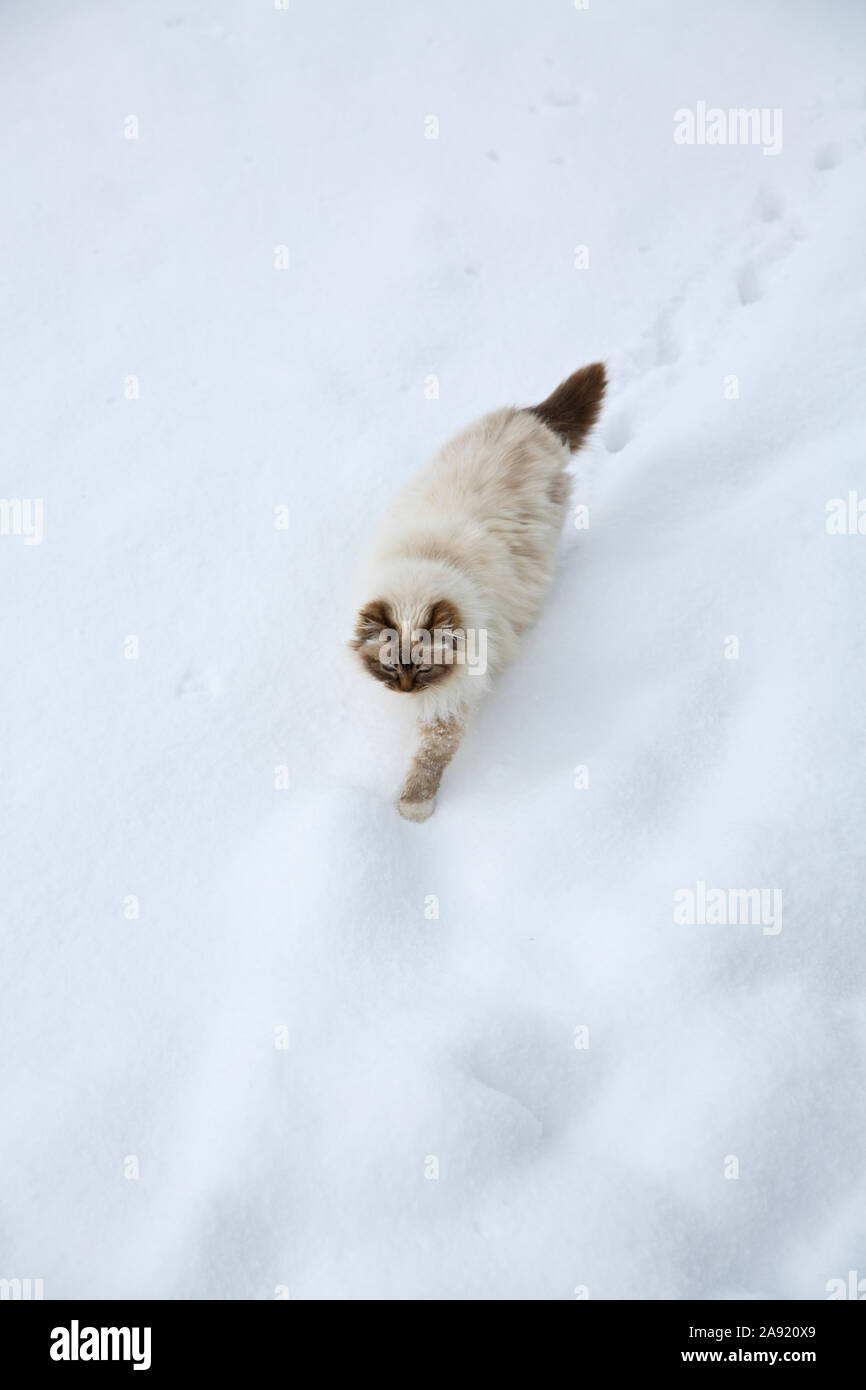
(573, 408)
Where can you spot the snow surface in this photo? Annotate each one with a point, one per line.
(302, 907)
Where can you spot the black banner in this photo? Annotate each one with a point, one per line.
(163, 1338)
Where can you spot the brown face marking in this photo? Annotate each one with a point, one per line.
(370, 658)
(408, 679)
(372, 618)
(442, 613)
(375, 618)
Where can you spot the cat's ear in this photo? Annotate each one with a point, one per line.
(372, 620)
(573, 408)
(442, 613)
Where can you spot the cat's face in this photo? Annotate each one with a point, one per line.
(409, 662)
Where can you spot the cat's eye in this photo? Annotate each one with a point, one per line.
(422, 669)
(386, 667)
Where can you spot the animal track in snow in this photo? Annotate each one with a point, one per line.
(770, 205)
(685, 323)
(755, 274)
(562, 98)
(197, 687)
(749, 289)
(828, 156)
(528, 1074)
(659, 346)
(618, 432)
(667, 346)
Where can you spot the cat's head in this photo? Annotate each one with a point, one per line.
(408, 652)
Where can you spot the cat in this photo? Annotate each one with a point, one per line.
(462, 565)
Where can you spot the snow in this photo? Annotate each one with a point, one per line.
(238, 777)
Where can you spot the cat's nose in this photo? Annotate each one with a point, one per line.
(407, 677)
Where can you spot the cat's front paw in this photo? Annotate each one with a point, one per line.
(416, 810)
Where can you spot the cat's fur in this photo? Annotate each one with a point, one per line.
(469, 546)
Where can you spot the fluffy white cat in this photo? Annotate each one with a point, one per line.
(462, 564)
